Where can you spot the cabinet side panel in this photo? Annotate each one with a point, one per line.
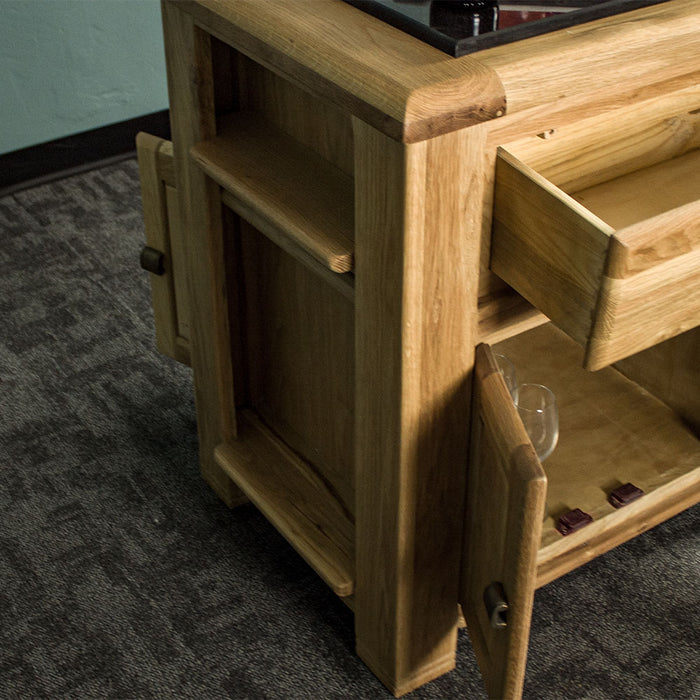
(300, 359)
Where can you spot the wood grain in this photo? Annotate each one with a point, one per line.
(547, 246)
(597, 67)
(179, 268)
(161, 218)
(293, 499)
(300, 360)
(290, 191)
(315, 122)
(611, 432)
(596, 148)
(403, 87)
(506, 494)
(191, 93)
(615, 291)
(415, 329)
(577, 150)
(506, 314)
(671, 371)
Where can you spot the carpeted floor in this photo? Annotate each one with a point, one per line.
(122, 576)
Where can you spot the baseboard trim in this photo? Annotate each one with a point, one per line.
(48, 161)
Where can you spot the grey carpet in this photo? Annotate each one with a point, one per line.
(122, 576)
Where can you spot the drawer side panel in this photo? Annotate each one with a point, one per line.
(547, 246)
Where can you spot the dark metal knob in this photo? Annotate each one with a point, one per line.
(496, 605)
(153, 260)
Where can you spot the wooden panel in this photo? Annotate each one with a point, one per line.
(506, 493)
(644, 193)
(671, 371)
(506, 314)
(291, 192)
(645, 309)
(300, 360)
(179, 267)
(611, 432)
(415, 327)
(293, 499)
(400, 85)
(595, 67)
(547, 246)
(651, 289)
(314, 122)
(577, 154)
(596, 148)
(188, 62)
(161, 219)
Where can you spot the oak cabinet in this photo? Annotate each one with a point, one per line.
(329, 197)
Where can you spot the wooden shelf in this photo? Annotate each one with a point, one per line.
(294, 499)
(611, 432)
(284, 189)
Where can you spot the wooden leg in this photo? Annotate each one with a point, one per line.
(190, 80)
(416, 304)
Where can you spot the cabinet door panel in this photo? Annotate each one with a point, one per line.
(503, 521)
(164, 238)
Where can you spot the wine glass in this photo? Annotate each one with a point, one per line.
(507, 369)
(538, 411)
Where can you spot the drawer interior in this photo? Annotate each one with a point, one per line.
(646, 193)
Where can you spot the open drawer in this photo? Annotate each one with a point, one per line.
(600, 229)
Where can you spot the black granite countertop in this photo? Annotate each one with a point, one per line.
(459, 27)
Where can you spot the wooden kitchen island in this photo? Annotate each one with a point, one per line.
(360, 217)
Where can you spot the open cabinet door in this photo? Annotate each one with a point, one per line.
(163, 256)
(504, 509)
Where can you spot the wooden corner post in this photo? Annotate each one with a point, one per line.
(193, 118)
(418, 225)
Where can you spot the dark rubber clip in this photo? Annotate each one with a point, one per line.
(625, 494)
(573, 520)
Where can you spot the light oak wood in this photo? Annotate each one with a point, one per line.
(547, 246)
(591, 69)
(299, 359)
(161, 219)
(577, 148)
(179, 269)
(506, 493)
(599, 148)
(407, 89)
(314, 122)
(287, 191)
(415, 328)
(293, 499)
(165, 162)
(163, 225)
(671, 371)
(506, 314)
(191, 95)
(413, 134)
(611, 432)
(616, 290)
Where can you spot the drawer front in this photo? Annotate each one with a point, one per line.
(615, 287)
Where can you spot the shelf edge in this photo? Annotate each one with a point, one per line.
(294, 499)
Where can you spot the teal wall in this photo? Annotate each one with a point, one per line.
(72, 65)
